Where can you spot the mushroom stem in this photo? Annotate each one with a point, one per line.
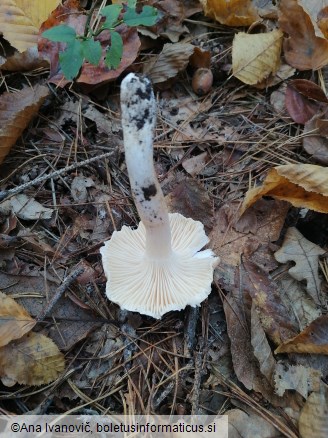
(138, 122)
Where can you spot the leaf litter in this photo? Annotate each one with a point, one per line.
(233, 159)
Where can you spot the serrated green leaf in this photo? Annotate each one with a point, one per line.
(60, 34)
(92, 51)
(147, 17)
(111, 13)
(71, 59)
(114, 53)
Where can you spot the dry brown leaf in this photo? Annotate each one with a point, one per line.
(312, 340)
(303, 185)
(261, 347)
(244, 362)
(272, 312)
(26, 61)
(304, 99)
(296, 299)
(303, 49)
(191, 199)
(195, 164)
(313, 8)
(315, 141)
(16, 111)
(296, 377)
(313, 422)
(34, 359)
(249, 235)
(256, 56)
(323, 21)
(305, 254)
(20, 20)
(15, 321)
(172, 59)
(231, 13)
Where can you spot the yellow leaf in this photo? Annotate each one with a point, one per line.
(21, 19)
(34, 359)
(15, 321)
(16, 111)
(255, 57)
(231, 12)
(303, 185)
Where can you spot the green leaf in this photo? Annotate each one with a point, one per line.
(111, 13)
(147, 17)
(71, 59)
(115, 52)
(92, 51)
(61, 33)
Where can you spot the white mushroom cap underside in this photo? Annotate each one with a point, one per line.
(155, 287)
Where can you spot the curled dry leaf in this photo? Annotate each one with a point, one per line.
(16, 111)
(256, 56)
(305, 254)
(21, 20)
(312, 340)
(303, 185)
(15, 321)
(172, 59)
(313, 420)
(304, 99)
(302, 49)
(232, 13)
(34, 359)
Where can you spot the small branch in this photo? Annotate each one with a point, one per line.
(59, 292)
(11, 192)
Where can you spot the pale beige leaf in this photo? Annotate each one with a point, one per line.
(297, 378)
(34, 359)
(16, 111)
(249, 425)
(21, 19)
(15, 321)
(305, 254)
(303, 185)
(172, 59)
(256, 56)
(313, 422)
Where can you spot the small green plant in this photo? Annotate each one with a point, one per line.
(85, 47)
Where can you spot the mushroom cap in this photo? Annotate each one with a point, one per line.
(154, 287)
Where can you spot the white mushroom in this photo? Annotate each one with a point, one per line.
(157, 267)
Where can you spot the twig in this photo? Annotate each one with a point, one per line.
(59, 292)
(11, 192)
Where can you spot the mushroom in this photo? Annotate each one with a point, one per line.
(157, 267)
